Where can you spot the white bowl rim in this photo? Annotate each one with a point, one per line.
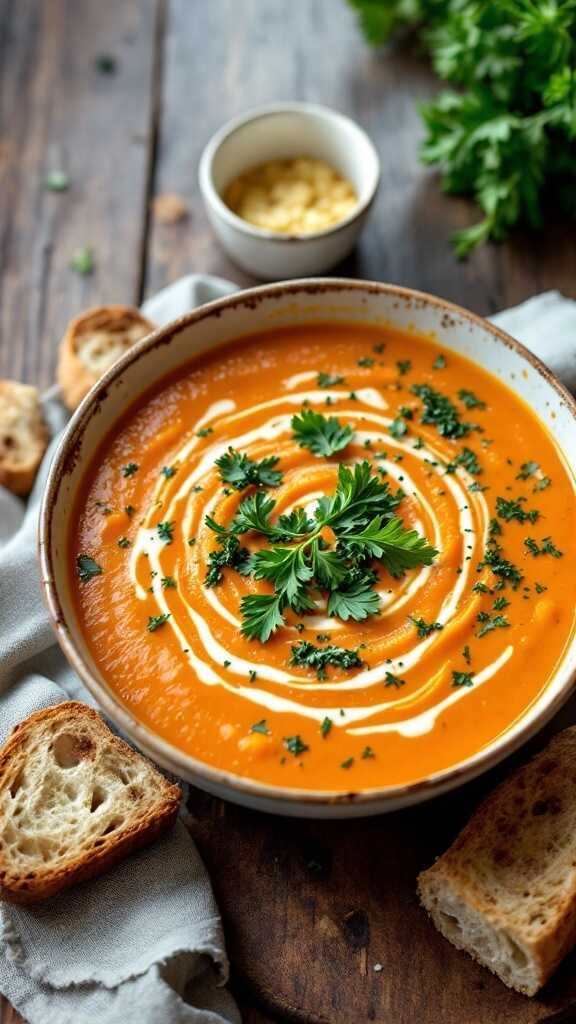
(284, 799)
(214, 199)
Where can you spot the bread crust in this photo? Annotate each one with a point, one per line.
(21, 426)
(469, 869)
(114, 324)
(107, 850)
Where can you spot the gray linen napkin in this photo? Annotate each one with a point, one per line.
(144, 943)
(128, 947)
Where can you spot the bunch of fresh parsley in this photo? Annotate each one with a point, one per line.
(508, 136)
(332, 552)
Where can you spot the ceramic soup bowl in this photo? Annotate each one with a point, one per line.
(226, 319)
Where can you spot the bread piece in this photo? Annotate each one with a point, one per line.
(74, 800)
(505, 891)
(92, 343)
(23, 435)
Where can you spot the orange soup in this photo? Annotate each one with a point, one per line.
(329, 557)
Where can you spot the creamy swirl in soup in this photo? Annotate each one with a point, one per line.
(329, 557)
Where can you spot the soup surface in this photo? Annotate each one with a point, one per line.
(329, 557)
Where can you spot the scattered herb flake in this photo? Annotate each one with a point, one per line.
(155, 621)
(325, 727)
(395, 681)
(130, 468)
(470, 400)
(546, 547)
(166, 532)
(56, 181)
(424, 628)
(260, 727)
(83, 261)
(511, 509)
(329, 380)
(462, 678)
(440, 412)
(87, 568)
(295, 745)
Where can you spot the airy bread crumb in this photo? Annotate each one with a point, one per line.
(93, 342)
(74, 800)
(23, 435)
(505, 891)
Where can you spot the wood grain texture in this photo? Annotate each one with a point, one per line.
(224, 63)
(57, 112)
(309, 908)
(323, 925)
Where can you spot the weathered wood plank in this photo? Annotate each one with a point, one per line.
(312, 908)
(58, 112)
(223, 62)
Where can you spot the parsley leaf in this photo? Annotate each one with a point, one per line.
(322, 435)
(511, 508)
(306, 654)
(240, 471)
(165, 532)
(295, 745)
(546, 547)
(398, 428)
(392, 680)
(260, 727)
(505, 134)
(87, 568)
(329, 380)
(230, 555)
(155, 621)
(462, 678)
(527, 469)
(470, 400)
(261, 615)
(354, 598)
(424, 628)
(130, 468)
(491, 623)
(441, 412)
(361, 517)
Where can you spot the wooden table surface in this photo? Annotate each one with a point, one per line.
(309, 908)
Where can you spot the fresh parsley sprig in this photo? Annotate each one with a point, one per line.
(360, 516)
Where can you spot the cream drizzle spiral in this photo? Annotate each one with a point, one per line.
(184, 502)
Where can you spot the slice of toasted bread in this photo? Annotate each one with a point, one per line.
(92, 344)
(505, 891)
(74, 800)
(23, 435)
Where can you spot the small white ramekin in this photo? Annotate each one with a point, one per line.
(281, 131)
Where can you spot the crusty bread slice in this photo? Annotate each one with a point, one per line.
(505, 891)
(92, 344)
(23, 435)
(74, 800)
